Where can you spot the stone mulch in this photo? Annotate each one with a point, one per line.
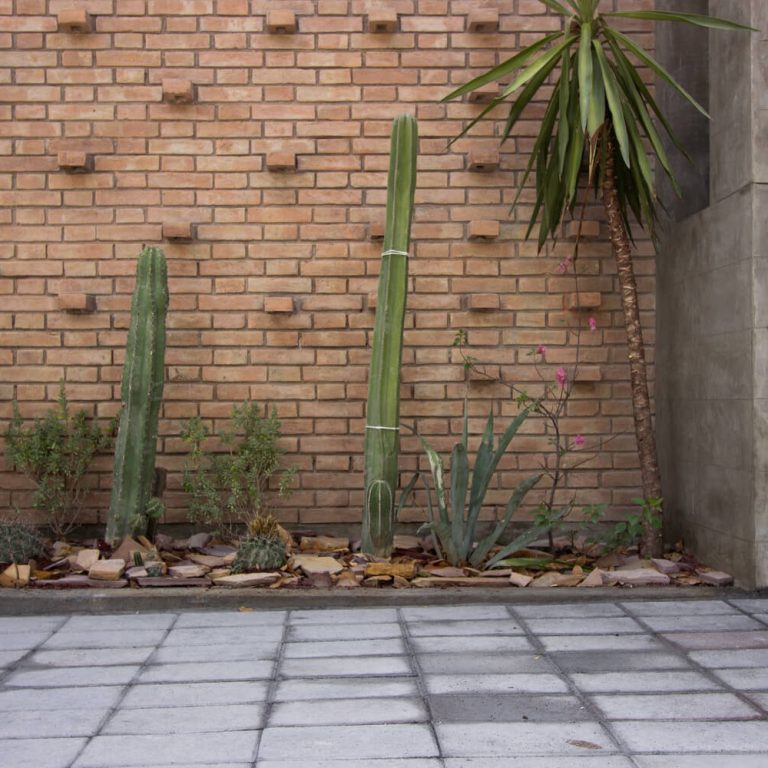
(335, 563)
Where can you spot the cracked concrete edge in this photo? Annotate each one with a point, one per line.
(31, 602)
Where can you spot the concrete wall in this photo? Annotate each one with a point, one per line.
(712, 312)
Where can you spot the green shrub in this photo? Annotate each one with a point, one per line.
(19, 542)
(55, 452)
(230, 488)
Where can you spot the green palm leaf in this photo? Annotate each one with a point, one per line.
(710, 22)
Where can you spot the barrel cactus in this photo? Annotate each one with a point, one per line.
(19, 543)
(263, 549)
(142, 394)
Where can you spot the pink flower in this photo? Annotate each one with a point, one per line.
(542, 350)
(592, 324)
(562, 267)
(578, 440)
(561, 376)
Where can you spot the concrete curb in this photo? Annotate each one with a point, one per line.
(30, 602)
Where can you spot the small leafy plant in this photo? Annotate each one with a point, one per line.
(631, 531)
(230, 488)
(19, 542)
(454, 527)
(55, 452)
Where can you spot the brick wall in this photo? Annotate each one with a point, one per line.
(272, 278)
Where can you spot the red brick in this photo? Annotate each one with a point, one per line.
(483, 302)
(178, 230)
(589, 229)
(77, 302)
(75, 162)
(75, 20)
(483, 20)
(281, 161)
(281, 22)
(178, 91)
(483, 229)
(483, 159)
(278, 304)
(582, 300)
(382, 20)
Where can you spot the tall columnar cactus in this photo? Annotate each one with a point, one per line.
(142, 393)
(382, 437)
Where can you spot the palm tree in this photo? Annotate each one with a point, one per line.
(601, 121)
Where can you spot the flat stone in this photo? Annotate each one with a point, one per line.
(247, 579)
(678, 607)
(323, 544)
(470, 644)
(578, 610)
(194, 571)
(204, 672)
(608, 625)
(636, 578)
(126, 549)
(519, 579)
(699, 641)
(715, 578)
(618, 661)
(404, 570)
(334, 666)
(327, 688)
(164, 542)
(15, 576)
(40, 753)
(392, 646)
(85, 558)
(495, 683)
(199, 541)
(175, 694)
(642, 682)
(68, 722)
(554, 579)
(311, 564)
(677, 737)
(454, 612)
(481, 628)
(445, 572)
(665, 566)
(107, 570)
(347, 580)
(211, 561)
(595, 579)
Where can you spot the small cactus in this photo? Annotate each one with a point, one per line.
(262, 549)
(142, 394)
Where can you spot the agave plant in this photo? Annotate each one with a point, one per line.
(599, 110)
(454, 528)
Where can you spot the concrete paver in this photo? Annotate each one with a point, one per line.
(590, 684)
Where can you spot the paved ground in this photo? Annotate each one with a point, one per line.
(636, 684)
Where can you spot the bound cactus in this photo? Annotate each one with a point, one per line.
(141, 395)
(263, 549)
(382, 436)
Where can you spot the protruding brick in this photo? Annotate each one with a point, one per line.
(582, 300)
(588, 374)
(483, 159)
(373, 300)
(281, 22)
(281, 161)
(77, 302)
(178, 91)
(376, 230)
(76, 20)
(483, 302)
(483, 94)
(589, 229)
(178, 230)
(382, 20)
(279, 305)
(484, 229)
(483, 20)
(75, 161)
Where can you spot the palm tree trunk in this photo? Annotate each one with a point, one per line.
(641, 402)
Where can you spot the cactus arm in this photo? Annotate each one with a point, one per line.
(382, 439)
(141, 396)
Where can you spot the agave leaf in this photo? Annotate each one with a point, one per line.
(406, 492)
(482, 549)
(459, 481)
(555, 6)
(585, 72)
(710, 22)
(563, 125)
(649, 61)
(503, 69)
(596, 116)
(524, 562)
(436, 468)
(533, 69)
(613, 97)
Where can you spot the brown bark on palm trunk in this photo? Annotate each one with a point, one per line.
(641, 402)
